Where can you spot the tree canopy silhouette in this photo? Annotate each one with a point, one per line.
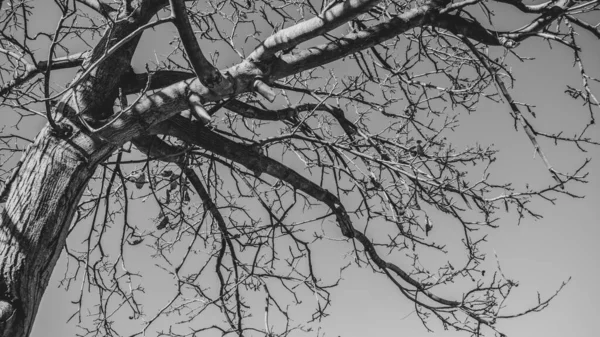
(260, 136)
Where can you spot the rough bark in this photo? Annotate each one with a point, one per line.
(49, 183)
(54, 172)
(36, 218)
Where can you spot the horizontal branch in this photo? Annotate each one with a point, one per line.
(472, 29)
(249, 111)
(299, 61)
(158, 149)
(425, 15)
(100, 7)
(173, 99)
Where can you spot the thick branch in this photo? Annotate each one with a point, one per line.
(175, 98)
(197, 134)
(548, 15)
(158, 149)
(330, 19)
(208, 75)
(426, 15)
(160, 79)
(320, 55)
(111, 58)
(249, 111)
(100, 7)
(53, 175)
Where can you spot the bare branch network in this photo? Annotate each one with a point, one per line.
(261, 135)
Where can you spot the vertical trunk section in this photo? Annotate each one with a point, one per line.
(36, 218)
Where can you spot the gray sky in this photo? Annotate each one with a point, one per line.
(539, 254)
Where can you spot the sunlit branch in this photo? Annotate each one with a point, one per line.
(104, 9)
(558, 8)
(245, 73)
(333, 17)
(425, 15)
(298, 61)
(158, 149)
(538, 8)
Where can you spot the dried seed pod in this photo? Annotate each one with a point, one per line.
(136, 241)
(163, 223)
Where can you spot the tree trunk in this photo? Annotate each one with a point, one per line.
(36, 219)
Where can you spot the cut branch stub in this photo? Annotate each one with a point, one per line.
(264, 90)
(197, 109)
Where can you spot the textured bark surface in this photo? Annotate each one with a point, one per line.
(50, 181)
(54, 171)
(35, 221)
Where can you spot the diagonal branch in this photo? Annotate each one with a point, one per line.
(429, 14)
(207, 74)
(296, 62)
(175, 98)
(104, 9)
(199, 135)
(31, 71)
(331, 18)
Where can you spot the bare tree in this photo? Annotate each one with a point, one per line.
(308, 121)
